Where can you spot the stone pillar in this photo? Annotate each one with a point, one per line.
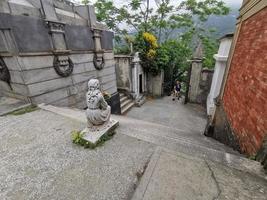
(195, 77)
(98, 52)
(96, 27)
(135, 76)
(4, 8)
(56, 28)
(62, 63)
(57, 31)
(155, 87)
(221, 60)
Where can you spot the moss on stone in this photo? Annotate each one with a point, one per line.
(24, 110)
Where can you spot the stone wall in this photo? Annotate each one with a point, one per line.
(34, 77)
(51, 48)
(222, 129)
(124, 72)
(245, 93)
(204, 86)
(155, 84)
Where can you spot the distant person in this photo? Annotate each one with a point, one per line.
(177, 90)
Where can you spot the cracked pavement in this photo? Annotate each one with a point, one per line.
(177, 176)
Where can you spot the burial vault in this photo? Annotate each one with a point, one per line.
(49, 49)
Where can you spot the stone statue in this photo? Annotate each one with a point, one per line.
(97, 114)
(98, 111)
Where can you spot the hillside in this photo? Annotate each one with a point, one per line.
(223, 24)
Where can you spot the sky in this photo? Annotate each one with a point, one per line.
(228, 2)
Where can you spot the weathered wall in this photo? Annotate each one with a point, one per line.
(124, 72)
(222, 129)
(34, 77)
(155, 84)
(195, 79)
(245, 93)
(204, 86)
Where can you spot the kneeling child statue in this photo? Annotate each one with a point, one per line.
(97, 114)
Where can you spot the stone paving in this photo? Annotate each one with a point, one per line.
(172, 175)
(187, 121)
(175, 114)
(39, 161)
(194, 175)
(146, 159)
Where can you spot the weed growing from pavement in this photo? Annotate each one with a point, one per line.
(77, 138)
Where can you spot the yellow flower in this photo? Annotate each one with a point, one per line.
(151, 53)
(151, 39)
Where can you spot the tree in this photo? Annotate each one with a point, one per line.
(85, 2)
(162, 20)
(187, 18)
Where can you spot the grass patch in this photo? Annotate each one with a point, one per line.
(252, 157)
(77, 138)
(22, 111)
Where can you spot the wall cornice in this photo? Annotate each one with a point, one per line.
(251, 7)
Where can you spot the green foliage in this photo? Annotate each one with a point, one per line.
(252, 157)
(123, 44)
(178, 53)
(106, 95)
(22, 111)
(210, 47)
(85, 2)
(161, 20)
(145, 43)
(122, 49)
(187, 16)
(77, 138)
(171, 55)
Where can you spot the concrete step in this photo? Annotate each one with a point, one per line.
(126, 102)
(176, 140)
(150, 130)
(123, 99)
(122, 95)
(127, 107)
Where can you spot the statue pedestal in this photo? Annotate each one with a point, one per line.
(93, 134)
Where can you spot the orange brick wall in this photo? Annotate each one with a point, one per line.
(245, 96)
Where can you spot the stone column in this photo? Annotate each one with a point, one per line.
(4, 8)
(195, 77)
(98, 52)
(220, 65)
(135, 75)
(57, 31)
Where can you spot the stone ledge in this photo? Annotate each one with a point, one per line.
(93, 135)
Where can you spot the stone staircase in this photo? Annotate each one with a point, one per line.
(126, 103)
(172, 139)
